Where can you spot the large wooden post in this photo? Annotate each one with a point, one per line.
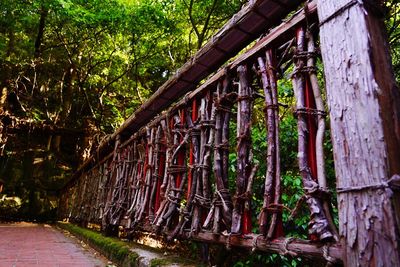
(364, 105)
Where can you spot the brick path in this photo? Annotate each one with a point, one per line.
(26, 244)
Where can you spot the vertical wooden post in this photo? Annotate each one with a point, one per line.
(364, 105)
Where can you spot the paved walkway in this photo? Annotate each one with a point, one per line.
(26, 244)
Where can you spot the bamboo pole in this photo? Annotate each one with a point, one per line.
(111, 183)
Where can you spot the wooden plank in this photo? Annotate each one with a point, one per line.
(364, 112)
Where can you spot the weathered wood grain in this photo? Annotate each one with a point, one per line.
(241, 216)
(364, 109)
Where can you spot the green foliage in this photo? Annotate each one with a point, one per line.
(271, 260)
(118, 52)
(159, 262)
(10, 206)
(392, 22)
(68, 61)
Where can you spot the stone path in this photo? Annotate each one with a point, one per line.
(26, 244)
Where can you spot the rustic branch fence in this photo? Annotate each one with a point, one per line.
(170, 177)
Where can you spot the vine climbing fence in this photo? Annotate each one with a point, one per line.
(169, 174)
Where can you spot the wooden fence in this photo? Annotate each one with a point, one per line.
(171, 177)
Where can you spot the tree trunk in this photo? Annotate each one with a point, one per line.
(90, 129)
(365, 117)
(67, 100)
(39, 37)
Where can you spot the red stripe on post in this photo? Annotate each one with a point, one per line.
(312, 129)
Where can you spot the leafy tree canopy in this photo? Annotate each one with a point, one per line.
(83, 67)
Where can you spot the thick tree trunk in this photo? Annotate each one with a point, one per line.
(365, 117)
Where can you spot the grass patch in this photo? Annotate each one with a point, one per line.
(113, 248)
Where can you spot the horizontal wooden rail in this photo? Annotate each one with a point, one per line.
(283, 246)
(255, 242)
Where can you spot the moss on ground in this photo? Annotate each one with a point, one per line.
(159, 262)
(113, 248)
(172, 260)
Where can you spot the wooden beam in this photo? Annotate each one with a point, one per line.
(283, 246)
(364, 107)
(289, 246)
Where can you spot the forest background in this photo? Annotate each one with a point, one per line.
(72, 71)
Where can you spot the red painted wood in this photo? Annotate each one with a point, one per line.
(181, 154)
(191, 158)
(279, 232)
(312, 129)
(161, 168)
(145, 167)
(246, 222)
